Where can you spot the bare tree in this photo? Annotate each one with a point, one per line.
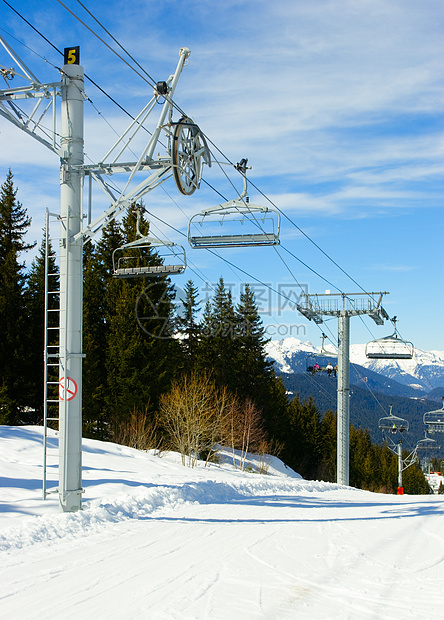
(138, 431)
(243, 429)
(197, 417)
(192, 415)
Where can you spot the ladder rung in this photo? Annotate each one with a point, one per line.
(52, 382)
(52, 401)
(51, 491)
(53, 328)
(52, 419)
(53, 292)
(53, 310)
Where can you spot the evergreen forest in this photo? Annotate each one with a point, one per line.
(166, 373)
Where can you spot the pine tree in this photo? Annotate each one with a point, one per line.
(327, 466)
(304, 432)
(217, 353)
(140, 354)
(95, 419)
(252, 368)
(189, 327)
(361, 472)
(14, 224)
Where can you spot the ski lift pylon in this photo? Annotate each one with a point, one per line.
(135, 265)
(390, 348)
(219, 227)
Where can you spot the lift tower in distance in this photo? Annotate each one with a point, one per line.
(343, 305)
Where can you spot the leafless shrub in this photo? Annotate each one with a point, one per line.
(243, 429)
(268, 449)
(138, 431)
(192, 415)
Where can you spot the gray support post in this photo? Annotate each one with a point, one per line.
(70, 390)
(343, 430)
(400, 468)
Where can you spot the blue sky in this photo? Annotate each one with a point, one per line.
(337, 105)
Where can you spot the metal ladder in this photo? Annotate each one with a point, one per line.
(53, 363)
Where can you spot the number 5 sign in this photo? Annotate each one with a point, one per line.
(71, 55)
(69, 387)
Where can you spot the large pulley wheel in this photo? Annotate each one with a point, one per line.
(189, 148)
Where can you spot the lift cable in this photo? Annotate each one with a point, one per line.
(153, 83)
(223, 155)
(232, 265)
(58, 68)
(128, 114)
(115, 41)
(177, 107)
(214, 189)
(321, 388)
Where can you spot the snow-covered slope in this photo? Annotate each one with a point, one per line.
(160, 541)
(424, 372)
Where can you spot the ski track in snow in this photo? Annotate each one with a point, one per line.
(98, 514)
(164, 542)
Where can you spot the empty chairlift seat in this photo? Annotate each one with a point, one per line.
(135, 259)
(434, 420)
(427, 444)
(235, 223)
(390, 348)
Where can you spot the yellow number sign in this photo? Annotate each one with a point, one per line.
(72, 55)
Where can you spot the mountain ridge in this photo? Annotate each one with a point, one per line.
(422, 374)
(374, 388)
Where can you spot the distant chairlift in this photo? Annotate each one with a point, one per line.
(133, 260)
(390, 348)
(321, 362)
(434, 420)
(235, 223)
(393, 423)
(427, 444)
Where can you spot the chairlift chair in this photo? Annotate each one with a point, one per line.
(434, 420)
(235, 223)
(427, 444)
(393, 423)
(136, 266)
(322, 359)
(390, 348)
(129, 264)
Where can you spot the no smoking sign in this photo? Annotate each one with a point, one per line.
(68, 387)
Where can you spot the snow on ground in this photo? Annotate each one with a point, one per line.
(160, 541)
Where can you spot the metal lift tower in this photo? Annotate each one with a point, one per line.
(186, 152)
(343, 305)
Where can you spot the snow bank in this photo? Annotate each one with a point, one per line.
(123, 483)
